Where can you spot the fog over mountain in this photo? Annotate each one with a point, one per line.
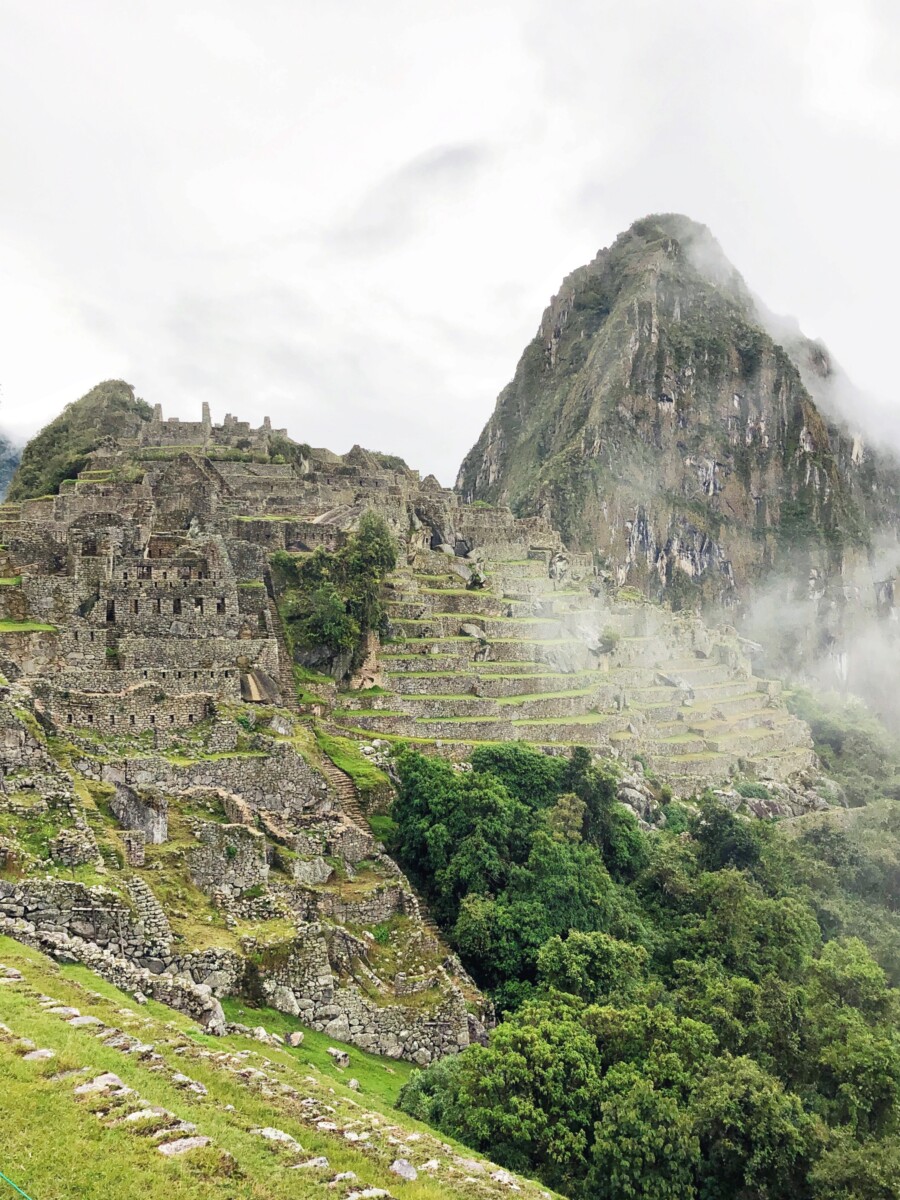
(351, 217)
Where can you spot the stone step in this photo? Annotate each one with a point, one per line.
(478, 729)
(709, 766)
(699, 674)
(680, 743)
(528, 589)
(533, 685)
(573, 703)
(558, 652)
(782, 764)
(394, 724)
(480, 682)
(703, 694)
(591, 729)
(545, 592)
(752, 743)
(513, 571)
(448, 625)
(730, 722)
(413, 661)
(438, 706)
(416, 605)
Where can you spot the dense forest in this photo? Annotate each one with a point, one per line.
(709, 1010)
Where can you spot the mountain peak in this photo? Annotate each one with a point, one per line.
(657, 421)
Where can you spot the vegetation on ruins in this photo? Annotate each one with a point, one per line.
(701, 1014)
(62, 448)
(331, 600)
(855, 748)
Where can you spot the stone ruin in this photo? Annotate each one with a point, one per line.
(139, 628)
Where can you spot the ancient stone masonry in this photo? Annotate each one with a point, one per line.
(150, 733)
(540, 653)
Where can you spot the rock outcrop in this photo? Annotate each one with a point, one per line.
(657, 424)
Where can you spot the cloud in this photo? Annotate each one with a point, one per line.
(394, 210)
(353, 216)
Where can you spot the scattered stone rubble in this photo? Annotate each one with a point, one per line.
(317, 1106)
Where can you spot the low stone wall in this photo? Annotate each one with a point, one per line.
(96, 914)
(383, 902)
(280, 781)
(299, 980)
(195, 1000)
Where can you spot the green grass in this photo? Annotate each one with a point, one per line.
(55, 1146)
(347, 756)
(10, 580)
(382, 826)
(26, 627)
(379, 1077)
(307, 684)
(369, 712)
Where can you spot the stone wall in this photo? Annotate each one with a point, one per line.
(229, 860)
(279, 781)
(195, 1000)
(146, 811)
(299, 980)
(140, 708)
(95, 914)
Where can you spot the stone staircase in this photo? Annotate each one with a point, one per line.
(540, 658)
(346, 792)
(286, 684)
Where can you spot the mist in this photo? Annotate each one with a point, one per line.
(351, 219)
(838, 635)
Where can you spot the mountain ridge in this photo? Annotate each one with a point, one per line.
(659, 424)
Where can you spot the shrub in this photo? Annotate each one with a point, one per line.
(333, 598)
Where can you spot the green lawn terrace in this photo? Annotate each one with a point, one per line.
(272, 1120)
(540, 659)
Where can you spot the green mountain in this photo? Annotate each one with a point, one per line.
(655, 420)
(62, 448)
(9, 461)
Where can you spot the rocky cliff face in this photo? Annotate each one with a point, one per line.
(658, 423)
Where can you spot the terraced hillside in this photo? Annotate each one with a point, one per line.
(535, 656)
(122, 1097)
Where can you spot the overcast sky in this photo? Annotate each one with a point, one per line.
(350, 215)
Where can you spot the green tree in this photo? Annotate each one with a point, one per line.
(852, 1170)
(644, 1145)
(755, 1138)
(532, 1097)
(593, 966)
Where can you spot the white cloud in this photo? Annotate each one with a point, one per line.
(351, 215)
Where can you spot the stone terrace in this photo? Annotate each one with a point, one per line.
(535, 656)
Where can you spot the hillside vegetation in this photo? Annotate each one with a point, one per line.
(61, 449)
(709, 1011)
(9, 460)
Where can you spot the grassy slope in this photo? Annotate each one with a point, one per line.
(55, 1148)
(61, 448)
